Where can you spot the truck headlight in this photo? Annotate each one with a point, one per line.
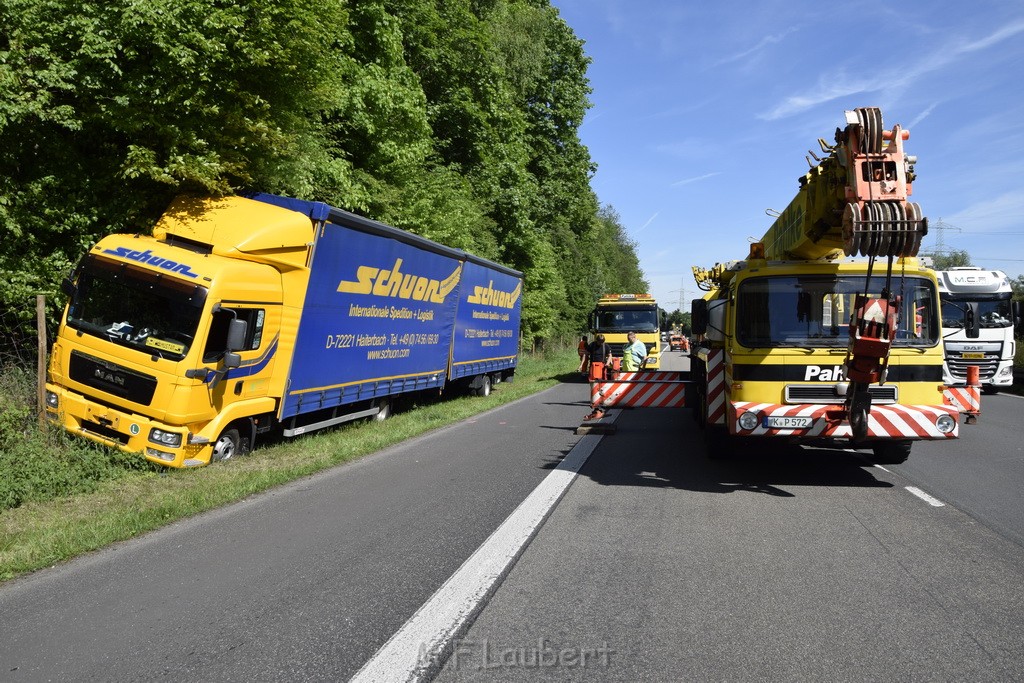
(945, 423)
(172, 439)
(748, 421)
(51, 400)
(1008, 370)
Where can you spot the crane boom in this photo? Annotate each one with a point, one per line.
(855, 200)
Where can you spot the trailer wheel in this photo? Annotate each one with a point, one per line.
(891, 452)
(485, 386)
(228, 445)
(383, 410)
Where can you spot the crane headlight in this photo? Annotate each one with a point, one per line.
(748, 421)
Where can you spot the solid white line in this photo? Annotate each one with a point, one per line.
(418, 648)
(924, 496)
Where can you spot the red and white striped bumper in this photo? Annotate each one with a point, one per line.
(640, 390)
(965, 399)
(827, 421)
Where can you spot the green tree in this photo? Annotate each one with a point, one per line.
(109, 109)
(456, 119)
(952, 259)
(1017, 284)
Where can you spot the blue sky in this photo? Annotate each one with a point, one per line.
(703, 113)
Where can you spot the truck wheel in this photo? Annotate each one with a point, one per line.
(383, 410)
(891, 452)
(717, 442)
(485, 386)
(228, 445)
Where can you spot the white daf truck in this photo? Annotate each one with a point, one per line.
(978, 321)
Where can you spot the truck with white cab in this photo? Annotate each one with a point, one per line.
(979, 318)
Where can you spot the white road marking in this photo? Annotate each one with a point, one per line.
(416, 650)
(925, 497)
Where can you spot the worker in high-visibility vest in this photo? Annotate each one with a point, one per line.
(634, 354)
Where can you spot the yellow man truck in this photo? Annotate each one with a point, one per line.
(800, 342)
(616, 315)
(243, 315)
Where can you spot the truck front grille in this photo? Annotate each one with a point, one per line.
(825, 393)
(987, 366)
(112, 378)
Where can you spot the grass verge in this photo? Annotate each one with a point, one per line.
(41, 534)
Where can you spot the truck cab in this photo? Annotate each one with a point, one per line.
(166, 343)
(979, 319)
(616, 315)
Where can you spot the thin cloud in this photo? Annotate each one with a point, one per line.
(923, 115)
(992, 214)
(762, 44)
(830, 88)
(649, 221)
(696, 179)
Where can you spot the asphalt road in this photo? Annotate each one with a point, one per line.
(657, 564)
(982, 472)
(302, 583)
(660, 564)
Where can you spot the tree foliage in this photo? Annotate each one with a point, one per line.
(950, 259)
(1017, 284)
(455, 119)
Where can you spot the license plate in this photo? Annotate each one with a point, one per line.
(973, 354)
(785, 422)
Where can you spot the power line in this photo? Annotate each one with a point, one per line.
(983, 258)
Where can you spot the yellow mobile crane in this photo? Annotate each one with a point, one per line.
(802, 342)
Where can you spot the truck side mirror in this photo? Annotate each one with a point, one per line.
(699, 316)
(236, 335)
(232, 359)
(68, 287)
(973, 329)
(1015, 312)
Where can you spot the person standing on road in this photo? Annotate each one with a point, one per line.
(583, 348)
(634, 354)
(598, 352)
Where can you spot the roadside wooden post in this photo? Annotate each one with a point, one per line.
(41, 362)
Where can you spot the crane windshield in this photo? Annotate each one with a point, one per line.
(814, 311)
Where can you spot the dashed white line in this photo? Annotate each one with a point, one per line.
(417, 649)
(931, 500)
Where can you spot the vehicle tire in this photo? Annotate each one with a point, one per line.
(485, 386)
(700, 406)
(717, 442)
(228, 445)
(383, 410)
(891, 452)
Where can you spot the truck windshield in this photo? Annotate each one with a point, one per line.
(814, 311)
(625, 318)
(136, 307)
(992, 313)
